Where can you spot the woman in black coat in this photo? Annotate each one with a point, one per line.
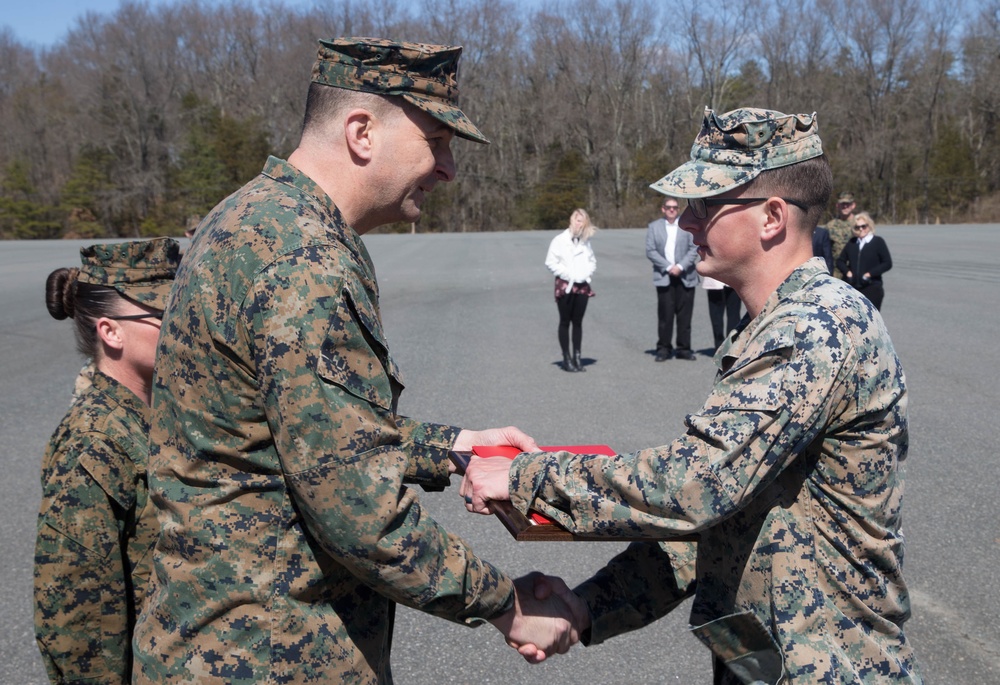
(864, 259)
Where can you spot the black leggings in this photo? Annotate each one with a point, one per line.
(572, 307)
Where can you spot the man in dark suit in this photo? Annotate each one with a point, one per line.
(822, 247)
(674, 255)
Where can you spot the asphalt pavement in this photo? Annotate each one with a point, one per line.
(472, 324)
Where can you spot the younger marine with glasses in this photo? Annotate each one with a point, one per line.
(790, 474)
(95, 532)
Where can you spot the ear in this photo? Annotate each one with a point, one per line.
(359, 132)
(776, 217)
(110, 333)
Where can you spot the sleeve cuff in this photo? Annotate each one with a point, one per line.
(428, 445)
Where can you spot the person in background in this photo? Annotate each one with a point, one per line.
(723, 309)
(571, 259)
(840, 227)
(789, 478)
(822, 247)
(95, 530)
(284, 479)
(864, 259)
(673, 255)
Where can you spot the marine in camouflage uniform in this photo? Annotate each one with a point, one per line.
(790, 474)
(281, 469)
(95, 532)
(841, 229)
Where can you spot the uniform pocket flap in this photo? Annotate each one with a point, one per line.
(355, 356)
(746, 647)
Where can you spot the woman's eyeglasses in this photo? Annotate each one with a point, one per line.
(699, 205)
(135, 317)
(860, 227)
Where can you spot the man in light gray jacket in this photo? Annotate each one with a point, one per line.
(673, 254)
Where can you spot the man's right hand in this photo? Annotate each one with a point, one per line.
(547, 618)
(486, 479)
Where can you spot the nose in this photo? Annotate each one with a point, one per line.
(445, 166)
(688, 221)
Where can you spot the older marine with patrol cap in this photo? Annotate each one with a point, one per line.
(789, 477)
(283, 476)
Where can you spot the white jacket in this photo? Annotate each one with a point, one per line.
(572, 262)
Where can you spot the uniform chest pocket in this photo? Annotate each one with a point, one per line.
(355, 355)
(756, 379)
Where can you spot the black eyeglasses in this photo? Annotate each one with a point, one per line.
(135, 317)
(859, 227)
(699, 205)
(673, 207)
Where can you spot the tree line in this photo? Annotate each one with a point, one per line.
(139, 121)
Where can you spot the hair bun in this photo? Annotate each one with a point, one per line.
(60, 293)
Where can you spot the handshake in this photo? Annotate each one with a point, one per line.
(547, 618)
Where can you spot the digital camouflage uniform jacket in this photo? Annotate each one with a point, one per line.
(95, 536)
(841, 231)
(791, 474)
(279, 462)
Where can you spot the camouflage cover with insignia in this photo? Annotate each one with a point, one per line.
(95, 536)
(423, 74)
(792, 475)
(733, 148)
(279, 465)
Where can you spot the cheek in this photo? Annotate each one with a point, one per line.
(147, 346)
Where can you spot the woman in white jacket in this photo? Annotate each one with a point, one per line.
(572, 261)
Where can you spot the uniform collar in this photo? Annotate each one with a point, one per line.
(281, 171)
(105, 384)
(796, 281)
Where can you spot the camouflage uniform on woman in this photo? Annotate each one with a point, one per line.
(95, 532)
(281, 469)
(790, 474)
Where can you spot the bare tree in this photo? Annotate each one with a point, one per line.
(717, 34)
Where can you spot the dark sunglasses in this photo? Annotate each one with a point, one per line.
(858, 227)
(135, 317)
(673, 207)
(699, 205)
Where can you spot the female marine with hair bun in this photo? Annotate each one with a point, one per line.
(95, 530)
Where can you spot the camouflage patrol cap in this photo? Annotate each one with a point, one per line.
(422, 74)
(141, 270)
(845, 197)
(733, 148)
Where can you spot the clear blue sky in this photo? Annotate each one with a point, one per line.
(42, 23)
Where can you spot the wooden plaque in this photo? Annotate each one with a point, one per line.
(528, 529)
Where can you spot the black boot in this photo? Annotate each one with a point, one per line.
(576, 361)
(568, 363)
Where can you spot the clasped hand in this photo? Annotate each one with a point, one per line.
(547, 618)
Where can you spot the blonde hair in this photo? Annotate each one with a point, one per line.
(868, 220)
(589, 229)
